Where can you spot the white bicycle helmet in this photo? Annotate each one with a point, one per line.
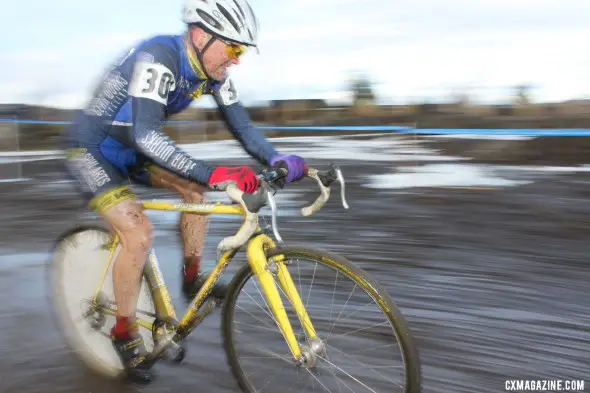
(233, 20)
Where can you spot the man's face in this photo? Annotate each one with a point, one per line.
(218, 58)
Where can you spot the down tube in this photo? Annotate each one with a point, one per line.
(257, 260)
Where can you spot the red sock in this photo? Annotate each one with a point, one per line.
(191, 268)
(124, 327)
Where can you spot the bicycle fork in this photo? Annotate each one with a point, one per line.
(303, 354)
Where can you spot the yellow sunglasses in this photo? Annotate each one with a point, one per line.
(234, 51)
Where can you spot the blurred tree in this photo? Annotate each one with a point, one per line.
(523, 95)
(362, 90)
(461, 96)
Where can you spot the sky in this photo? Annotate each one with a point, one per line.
(412, 50)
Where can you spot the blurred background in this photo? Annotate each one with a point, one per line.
(426, 64)
(468, 181)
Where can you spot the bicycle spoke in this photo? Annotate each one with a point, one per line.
(357, 330)
(317, 379)
(333, 295)
(338, 318)
(311, 285)
(255, 317)
(263, 299)
(306, 383)
(257, 327)
(286, 358)
(338, 381)
(344, 319)
(268, 381)
(347, 374)
(371, 302)
(379, 347)
(367, 366)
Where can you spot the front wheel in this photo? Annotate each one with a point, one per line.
(366, 345)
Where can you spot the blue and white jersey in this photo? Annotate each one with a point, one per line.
(155, 79)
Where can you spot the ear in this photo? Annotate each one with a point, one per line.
(199, 36)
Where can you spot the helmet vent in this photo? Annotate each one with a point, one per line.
(229, 17)
(240, 9)
(239, 18)
(209, 19)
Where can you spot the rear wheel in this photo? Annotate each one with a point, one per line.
(364, 344)
(77, 265)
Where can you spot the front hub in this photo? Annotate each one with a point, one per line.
(311, 351)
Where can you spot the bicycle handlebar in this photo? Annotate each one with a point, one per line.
(252, 203)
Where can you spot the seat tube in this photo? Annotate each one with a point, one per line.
(157, 286)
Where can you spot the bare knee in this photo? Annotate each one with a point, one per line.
(132, 225)
(137, 238)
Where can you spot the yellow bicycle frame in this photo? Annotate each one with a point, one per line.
(259, 263)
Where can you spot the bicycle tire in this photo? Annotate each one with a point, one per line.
(93, 238)
(358, 276)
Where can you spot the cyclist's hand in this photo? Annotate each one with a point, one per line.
(295, 166)
(244, 177)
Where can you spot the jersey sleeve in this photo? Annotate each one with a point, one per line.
(239, 123)
(154, 76)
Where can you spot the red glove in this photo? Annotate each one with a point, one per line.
(244, 177)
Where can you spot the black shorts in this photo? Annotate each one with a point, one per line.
(105, 172)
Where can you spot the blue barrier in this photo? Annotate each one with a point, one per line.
(445, 131)
(497, 131)
(34, 122)
(336, 128)
(398, 129)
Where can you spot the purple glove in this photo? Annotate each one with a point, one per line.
(295, 165)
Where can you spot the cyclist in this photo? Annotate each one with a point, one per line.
(118, 138)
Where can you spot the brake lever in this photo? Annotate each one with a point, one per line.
(270, 177)
(273, 208)
(340, 179)
(271, 187)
